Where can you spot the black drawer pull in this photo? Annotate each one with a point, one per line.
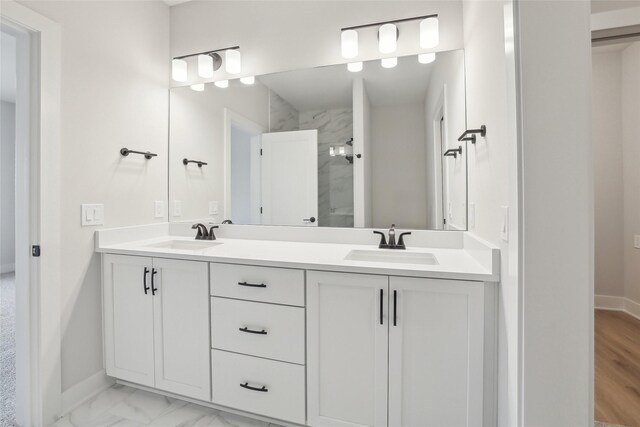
(395, 307)
(144, 281)
(263, 389)
(252, 285)
(251, 331)
(153, 286)
(381, 306)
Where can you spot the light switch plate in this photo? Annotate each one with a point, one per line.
(504, 229)
(91, 214)
(177, 208)
(213, 208)
(472, 215)
(159, 209)
(636, 241)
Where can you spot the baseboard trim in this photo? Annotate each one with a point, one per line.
(7, 268)
(85, 390)
(605, 302)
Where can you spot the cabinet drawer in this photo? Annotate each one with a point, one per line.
(238, 382)
(266, 284)
(268, 330)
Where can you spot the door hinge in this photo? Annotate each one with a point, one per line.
(35, 250)
(444, 221)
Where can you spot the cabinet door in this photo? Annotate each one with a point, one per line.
(435, 352)
(128, 318)
(181, 311)
(347, 349)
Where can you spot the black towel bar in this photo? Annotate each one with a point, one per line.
(186, 161)
(453, 152)
(147, 155)
(464, 137)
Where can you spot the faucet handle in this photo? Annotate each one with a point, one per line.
(211, 235)
(383, 239)
(401, 244)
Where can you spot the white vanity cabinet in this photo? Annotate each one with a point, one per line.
(156, 323)
(402, 352)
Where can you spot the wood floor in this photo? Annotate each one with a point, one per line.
(617, 368)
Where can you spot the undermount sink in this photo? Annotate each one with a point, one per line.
(392, 256)
(185, 245)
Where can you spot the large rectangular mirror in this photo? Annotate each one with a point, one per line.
(325, 147)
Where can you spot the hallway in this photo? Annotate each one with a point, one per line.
(7, 349)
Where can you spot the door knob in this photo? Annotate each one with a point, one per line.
(311, 220)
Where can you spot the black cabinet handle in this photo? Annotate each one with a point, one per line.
(251, 331)
(252, 285)
(381, 306)
(144, 281)
(153, 287)
(395, 306)
(246, 385)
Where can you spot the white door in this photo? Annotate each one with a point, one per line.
(290, 178)
(128, 318)
(181, 312)
(435, 352)
(347, 349)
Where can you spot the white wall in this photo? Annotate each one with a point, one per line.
(7, 186)
(197, 132)
(398, 158)
(264, 29)
(115, 75)
(631, 167)
(554, 58)
(447, 88)
(608, 173)
(490, 83)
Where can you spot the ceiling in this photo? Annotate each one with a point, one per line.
(331, 87)
(7, 67)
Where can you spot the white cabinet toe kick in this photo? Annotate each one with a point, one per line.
(304, 347)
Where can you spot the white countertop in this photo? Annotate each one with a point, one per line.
(452, 263)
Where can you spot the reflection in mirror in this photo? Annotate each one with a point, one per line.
(325, 147)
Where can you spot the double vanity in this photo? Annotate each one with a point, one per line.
(305, 326)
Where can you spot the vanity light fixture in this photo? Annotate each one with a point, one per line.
(179, 70)
(387, 38)
(223, 84)
(427, 58)
(388, 35)
(249, 80)
(354, 67)
(198, 87)
(205, 66)
(232, 61)
(208, 62)
(429, 32)
(349, 40)
(389, 62)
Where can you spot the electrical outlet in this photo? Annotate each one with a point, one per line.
(177, 208)
(213, 208)
(92, 214)
(159, 209)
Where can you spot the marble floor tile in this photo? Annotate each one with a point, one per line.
(122, 406)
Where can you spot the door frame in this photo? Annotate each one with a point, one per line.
(439, 136)
(231, 118)
(38, 173)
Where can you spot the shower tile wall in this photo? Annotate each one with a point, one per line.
(283, 117)
(335, 174)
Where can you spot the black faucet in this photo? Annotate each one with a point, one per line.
(211, 235)
(392, 239)
(202, 233)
